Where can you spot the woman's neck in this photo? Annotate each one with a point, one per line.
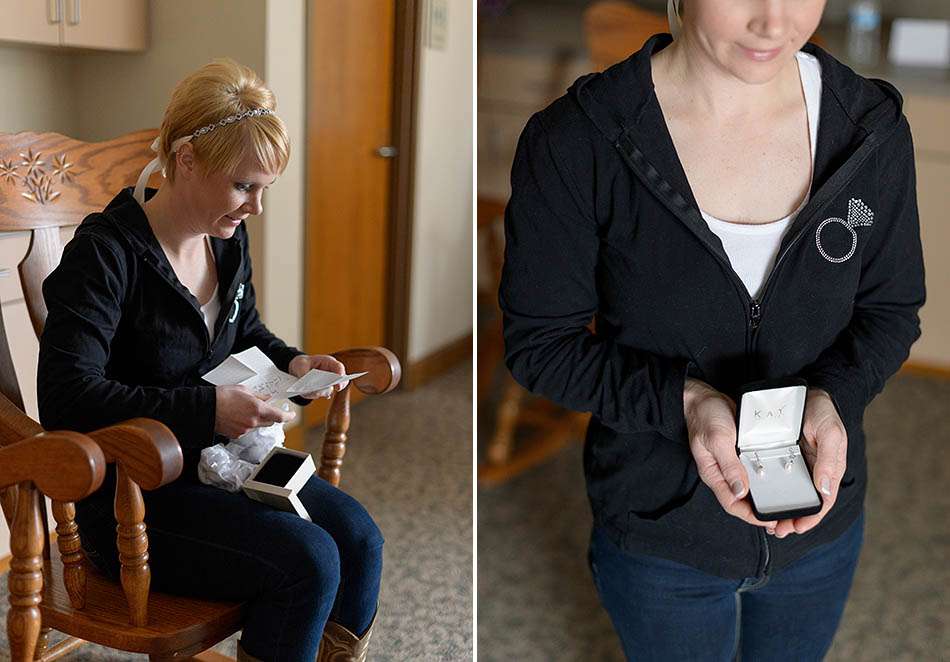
(709, 90)
(166, 215)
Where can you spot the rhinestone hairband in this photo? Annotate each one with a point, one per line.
(231, 119)
(157, 163)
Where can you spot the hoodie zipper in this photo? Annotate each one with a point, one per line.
(755, 305)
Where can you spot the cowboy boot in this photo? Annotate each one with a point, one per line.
(340, 645)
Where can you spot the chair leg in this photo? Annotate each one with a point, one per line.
(26, 575)
(499, 447)
(67, 539)
(132, 542)
(334, 440)
(61, 649)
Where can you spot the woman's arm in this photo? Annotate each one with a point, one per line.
(884, 323)
(84, 296)
(548, 296)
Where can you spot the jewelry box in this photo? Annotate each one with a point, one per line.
(279, 477)
(770, 416)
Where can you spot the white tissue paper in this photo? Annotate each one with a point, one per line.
(227, 466)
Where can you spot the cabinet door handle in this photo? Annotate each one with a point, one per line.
(387, 151)
(75, 14)
(54, 12)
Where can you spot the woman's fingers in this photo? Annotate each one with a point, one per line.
(314, 395)
(721, 473)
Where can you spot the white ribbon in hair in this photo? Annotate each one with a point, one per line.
(673, 16)
(154, 165)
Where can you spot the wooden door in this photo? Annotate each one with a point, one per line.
(350, 117)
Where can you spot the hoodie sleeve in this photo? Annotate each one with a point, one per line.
(84, 297)
(548, 297)
(884, 323)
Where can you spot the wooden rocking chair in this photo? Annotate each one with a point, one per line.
(48, 183)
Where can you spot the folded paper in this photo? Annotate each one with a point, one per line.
(254, 370)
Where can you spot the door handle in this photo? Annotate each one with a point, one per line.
(387, 151)
(54, 12)
(75, 14)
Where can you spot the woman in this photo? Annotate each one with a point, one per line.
(647, 198)
(152, 293)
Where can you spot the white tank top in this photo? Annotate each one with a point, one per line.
(752, 249)
(211, 309)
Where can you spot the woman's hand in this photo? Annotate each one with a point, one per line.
(238, 410)
(825, 449)
(301, 365)
(711, 422)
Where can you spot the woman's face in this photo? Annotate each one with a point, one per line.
(752, 39)
(220, 201)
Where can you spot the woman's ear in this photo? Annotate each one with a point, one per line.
(185, 164)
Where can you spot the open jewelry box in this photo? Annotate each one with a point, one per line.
(279, 477)
(769, 432)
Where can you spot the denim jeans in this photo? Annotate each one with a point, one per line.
(294, 574)
(663, 610)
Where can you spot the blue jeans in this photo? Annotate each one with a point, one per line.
(663, 610)
(294, 574)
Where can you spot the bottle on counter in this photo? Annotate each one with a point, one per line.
(864, 32)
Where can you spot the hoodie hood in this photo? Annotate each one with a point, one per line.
(622, 97)
(124, 216)
(123, 220)
(856, 115)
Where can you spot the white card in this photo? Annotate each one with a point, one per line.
(317, 380)
(253, 369)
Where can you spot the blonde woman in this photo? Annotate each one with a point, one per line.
(731, 205)
(152, 293)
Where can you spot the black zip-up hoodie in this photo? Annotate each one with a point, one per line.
(602, 224)
(124, 338)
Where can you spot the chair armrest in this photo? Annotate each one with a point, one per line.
(381, 364)
(66, 466)
(146, 448)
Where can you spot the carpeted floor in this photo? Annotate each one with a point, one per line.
(536, 600)
(409, 462)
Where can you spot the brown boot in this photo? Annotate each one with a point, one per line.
(340, 645)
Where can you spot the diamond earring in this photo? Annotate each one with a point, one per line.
(757, 464)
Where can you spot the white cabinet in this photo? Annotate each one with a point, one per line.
(106, 24)
(114, 25)
(31, 21)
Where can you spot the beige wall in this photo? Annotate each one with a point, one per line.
(441, 281)
(38, 88)
(283, 229)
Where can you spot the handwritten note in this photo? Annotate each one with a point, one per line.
(252, 369)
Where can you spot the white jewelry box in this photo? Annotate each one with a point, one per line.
(279, 477)
(768, 444)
